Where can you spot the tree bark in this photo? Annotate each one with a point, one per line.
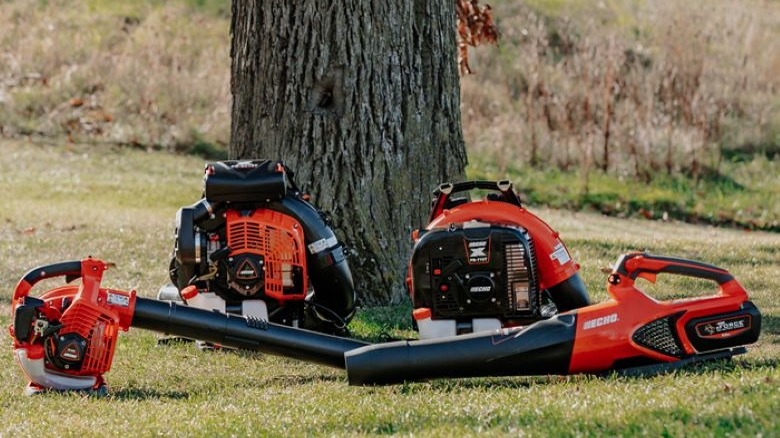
(362, 99)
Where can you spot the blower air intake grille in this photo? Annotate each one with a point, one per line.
(246, 235)
(100, 332)
(659, 335)
(517, 276)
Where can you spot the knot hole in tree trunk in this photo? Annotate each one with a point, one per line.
(328, 94)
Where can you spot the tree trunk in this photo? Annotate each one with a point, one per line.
(362, 99)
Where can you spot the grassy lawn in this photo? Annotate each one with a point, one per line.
(66, 202)
(744, 194)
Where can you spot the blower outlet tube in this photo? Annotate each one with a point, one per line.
(326, 260)
(540, 349)
(240, 332)
(570, 294)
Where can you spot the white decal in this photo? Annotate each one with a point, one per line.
(478, 251)
(559, 253)
(322, 244)
(726, 326)
(118, 300)
(602, 321)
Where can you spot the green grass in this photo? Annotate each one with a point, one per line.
(65, 202)
(744, 194)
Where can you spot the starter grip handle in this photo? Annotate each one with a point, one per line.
(632, 265)
(33, 276)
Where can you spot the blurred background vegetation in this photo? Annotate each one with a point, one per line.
(661, 109)
(148, 73)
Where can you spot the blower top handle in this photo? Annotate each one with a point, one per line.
(640, 264)
(444, 192)
(71, 270)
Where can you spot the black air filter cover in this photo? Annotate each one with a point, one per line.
(245, 181)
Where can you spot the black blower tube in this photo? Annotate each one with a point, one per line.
(570, 294)
(540, 349)
(239, 332)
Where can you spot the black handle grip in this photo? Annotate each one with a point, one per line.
(633, 264)
(71, 269)
(503, 186)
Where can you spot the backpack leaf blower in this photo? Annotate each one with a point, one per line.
(65, 339)
(254, 246)
(488, 264)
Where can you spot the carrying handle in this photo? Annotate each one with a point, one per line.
(635, 264)
(70, 270)
(444, 191)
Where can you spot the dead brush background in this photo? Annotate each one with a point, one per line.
(627, 87)
(622, 86)
(146, 73)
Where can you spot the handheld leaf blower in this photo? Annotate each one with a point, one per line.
(65, 339)
(631, 331)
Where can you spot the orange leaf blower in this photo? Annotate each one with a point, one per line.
(488, 264)
(65, 339)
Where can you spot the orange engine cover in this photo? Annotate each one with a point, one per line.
(279, 240)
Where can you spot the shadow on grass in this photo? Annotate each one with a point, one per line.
(758, 364)
(298, 380)
(719, 180)
(147, 394)
(748, 151)
(486, 383)
(770, 324)
(722, 366)
(209, 348)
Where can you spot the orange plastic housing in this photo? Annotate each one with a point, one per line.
(94, 313)
(604, 331)
(279, 239)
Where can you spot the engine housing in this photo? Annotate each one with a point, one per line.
(486, 264)
(254, 242)
(477, 270)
